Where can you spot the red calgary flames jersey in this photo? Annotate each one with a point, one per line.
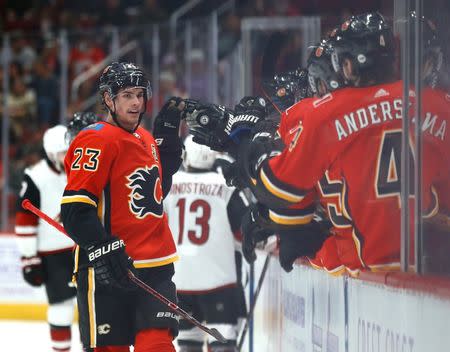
(119, 173)
(356, 133)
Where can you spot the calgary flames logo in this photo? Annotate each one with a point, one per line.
(146, 195)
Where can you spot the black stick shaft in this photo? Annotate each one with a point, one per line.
(255, 298)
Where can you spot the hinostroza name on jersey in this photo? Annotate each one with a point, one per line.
(384, 112)
(197, 188)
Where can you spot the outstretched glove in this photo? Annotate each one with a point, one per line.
(247, 113)
(111, 263)
(253, 232)
(33, 270)
(167, 124)
(301, 241)
(207, 124)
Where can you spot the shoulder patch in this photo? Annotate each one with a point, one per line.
(96, 126)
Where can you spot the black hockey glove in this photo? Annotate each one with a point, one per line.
(247, 113)
(33, 270)
(207, 124)
(253, 232)
(111, 263)
(167, 124)
(301, 241)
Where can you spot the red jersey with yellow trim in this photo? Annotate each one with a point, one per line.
(120, 173)
(327, 257)
(356, 132)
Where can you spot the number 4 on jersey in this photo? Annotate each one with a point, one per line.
(388, 173)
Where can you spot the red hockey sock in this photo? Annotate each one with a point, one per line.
(61, 338)
(154, 340)
(112, 349)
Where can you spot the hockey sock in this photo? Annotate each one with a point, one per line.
(154, 340)
(61, 338)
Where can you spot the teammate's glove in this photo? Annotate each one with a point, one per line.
(111, 263)
(248, 112)
(167, 124)
(33, 270)
(207, 124)
(301, 241)
(253, 232)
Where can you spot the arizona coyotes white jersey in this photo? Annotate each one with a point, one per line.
(44, 187)
(198, 218)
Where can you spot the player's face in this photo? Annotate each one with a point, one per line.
(129, 104)
(348, 71)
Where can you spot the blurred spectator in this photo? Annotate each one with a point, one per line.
(22, 107)
(167, 86)
(230, 34)
(198, 88)
(167, 89)
(85, 54)
(49, 54)
(22, 51)
(46, 87)
(112, 13)
(151, 12)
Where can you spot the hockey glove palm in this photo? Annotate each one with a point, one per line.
(207, 125)
(111, 263)
(167, 124)
(33, 270)
(304, 240)
(253, 232)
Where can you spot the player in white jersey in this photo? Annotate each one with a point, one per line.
(204, 216)
(46, 253)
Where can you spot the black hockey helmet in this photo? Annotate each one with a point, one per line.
(79, 121)
(368, 42)
(432, 50)
(120, 75)
(320, 68)
(289, 87)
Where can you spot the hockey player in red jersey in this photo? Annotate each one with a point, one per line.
(356, 131)
(47, 254)
(205, 216)
(322, 80)
(118, 174)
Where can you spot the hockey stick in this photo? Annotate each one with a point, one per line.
(255, 298)
(26, 204)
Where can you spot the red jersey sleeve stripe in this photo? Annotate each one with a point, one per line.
(284, 219)
(277, 191)
(78, 199)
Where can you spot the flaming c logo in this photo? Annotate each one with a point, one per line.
(145, 197)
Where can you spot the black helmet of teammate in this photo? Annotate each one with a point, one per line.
(321, 75)
(120, 75)
(368, 42)
(80, 121)
(432, 58)
(289, 88)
